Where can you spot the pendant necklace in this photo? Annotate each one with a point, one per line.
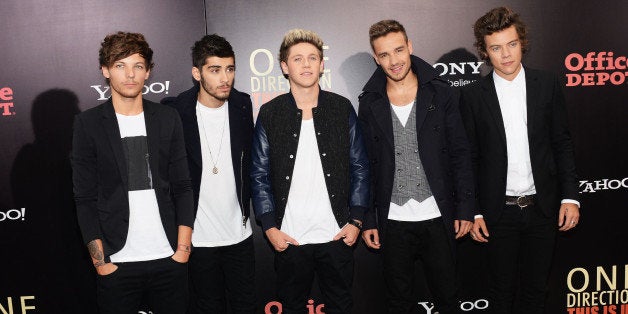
(202, 124)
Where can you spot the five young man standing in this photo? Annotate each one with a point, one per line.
(414, 169)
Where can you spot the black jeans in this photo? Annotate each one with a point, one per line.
(332, 262)
(223, 277)
(426, 242)
(520, 249)
(164, 283)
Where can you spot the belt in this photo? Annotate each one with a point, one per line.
(521, 201)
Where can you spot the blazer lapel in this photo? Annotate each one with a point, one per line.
(382, 114)
(490, 99)
(190, 132)
(423, 105)
(153, 137)
(112, 129)
(237, 117)
(532, 98)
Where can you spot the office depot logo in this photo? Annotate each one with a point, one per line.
(596, 68)
(6, 101)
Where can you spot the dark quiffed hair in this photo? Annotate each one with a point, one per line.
(497, 20)
(121, 45)
(210, 46)
(383, 28)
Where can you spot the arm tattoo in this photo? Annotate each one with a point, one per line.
(95, 252)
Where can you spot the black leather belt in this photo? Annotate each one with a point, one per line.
(521, 201)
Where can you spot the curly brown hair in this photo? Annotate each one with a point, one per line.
(121, 45)
(497, 20)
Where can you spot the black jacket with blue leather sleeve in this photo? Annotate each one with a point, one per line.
(341, 150)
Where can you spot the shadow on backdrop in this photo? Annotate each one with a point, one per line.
(356, 71)
(50, 261)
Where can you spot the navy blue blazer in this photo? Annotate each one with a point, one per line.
(240, 130)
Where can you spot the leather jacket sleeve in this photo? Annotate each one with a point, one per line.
(360, 182)
(261, 189)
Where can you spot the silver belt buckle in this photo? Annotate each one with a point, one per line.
(520, 200)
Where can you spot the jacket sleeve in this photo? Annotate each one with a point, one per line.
(370, 221)
(261, 189)
(360, 179)
(468, 120)
(460, 161)
(562, 146)
(179, 176)
(84, 179)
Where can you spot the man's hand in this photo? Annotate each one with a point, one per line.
(279, 239)
(349, 234)
(462, 227)
(568, 216)
(479, 232)
(106, 269)
(371, 238)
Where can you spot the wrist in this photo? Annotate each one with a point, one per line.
(186, 248)
(99, 264)
(356, 223)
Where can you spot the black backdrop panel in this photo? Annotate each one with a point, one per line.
(49, 72)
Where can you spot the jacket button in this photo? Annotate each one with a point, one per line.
(324, 154)
(287, 177)
(298, 113)
(294, 135)
(333, 195)
(283, 198)
(416, 150)
(318, 133)
(291, 156)
(329, 174)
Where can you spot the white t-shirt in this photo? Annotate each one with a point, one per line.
(146, 239)
(219, 220)
(309, 217)
(412, 210)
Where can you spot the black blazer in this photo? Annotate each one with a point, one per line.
(443, 146)
(240, 130)
(100, 174)
(551, 150)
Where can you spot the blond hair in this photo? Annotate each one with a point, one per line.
(297, 36)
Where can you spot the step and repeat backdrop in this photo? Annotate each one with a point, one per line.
(49, 72)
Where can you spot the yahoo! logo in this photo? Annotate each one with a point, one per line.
(153, 88)
(587, 186)
(13, 214)
(465, 306)
(6, 101)
(596, 68)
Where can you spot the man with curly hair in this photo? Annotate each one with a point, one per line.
(524, 165)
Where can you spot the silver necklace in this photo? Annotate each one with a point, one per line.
(215, 163)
